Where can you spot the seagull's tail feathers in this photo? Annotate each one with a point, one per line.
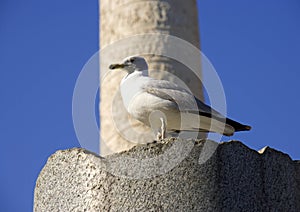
(216, 125)
(205, 110)
(213, 123)
(237, 126)
(205, 123)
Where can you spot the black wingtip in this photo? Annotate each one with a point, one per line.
(238, 126)
(247, 128)
(242, 128)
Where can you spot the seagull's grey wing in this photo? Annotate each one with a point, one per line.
(184, 100)
(207, 109)
(180, 100)
(196, 120)
(164, 84)
(182, 97)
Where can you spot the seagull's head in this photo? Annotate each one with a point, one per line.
(131, 64)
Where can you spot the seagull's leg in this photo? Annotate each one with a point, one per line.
(158, 136)
(157, 120)
(163, 128)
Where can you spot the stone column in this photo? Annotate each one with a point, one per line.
(121, 19)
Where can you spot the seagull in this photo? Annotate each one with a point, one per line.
(165, 106)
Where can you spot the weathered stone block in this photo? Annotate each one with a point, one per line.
(150, 178)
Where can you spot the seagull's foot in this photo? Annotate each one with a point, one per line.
(159, 136)
(165, 141)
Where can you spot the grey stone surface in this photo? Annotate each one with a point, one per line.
(170, 177)
(297, 170)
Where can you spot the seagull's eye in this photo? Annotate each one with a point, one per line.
(131, 60)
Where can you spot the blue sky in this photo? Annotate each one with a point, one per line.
(254, 46)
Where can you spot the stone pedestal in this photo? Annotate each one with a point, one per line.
(233, 178)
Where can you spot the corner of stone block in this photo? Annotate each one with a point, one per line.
(263, 150)
(267, 151)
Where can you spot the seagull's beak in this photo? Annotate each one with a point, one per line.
(116, 66)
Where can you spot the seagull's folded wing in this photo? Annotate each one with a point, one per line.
(185, 100)
(190, 107)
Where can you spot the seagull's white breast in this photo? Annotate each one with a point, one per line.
(137, 101)
(131, 86)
